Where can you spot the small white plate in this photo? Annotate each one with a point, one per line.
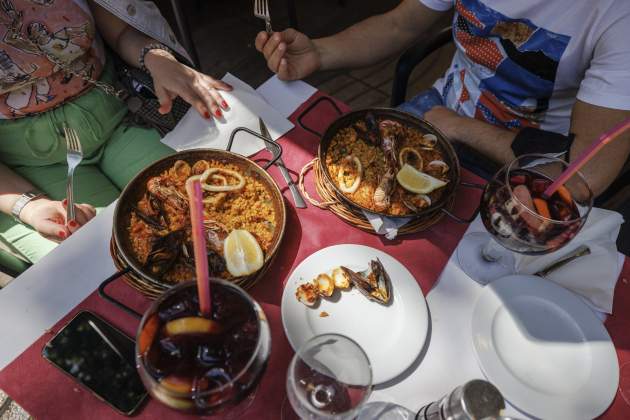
(545, 350)
(392, 336)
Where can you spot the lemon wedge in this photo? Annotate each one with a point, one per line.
(417, 182)
(242, 253)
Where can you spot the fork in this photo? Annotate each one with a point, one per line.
(261, 11)
(74, 157)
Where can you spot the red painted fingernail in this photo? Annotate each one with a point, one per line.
(65, 201)
(206, 114)
(62, 234)
(224, 104)
(218, 113)
(73, 224)
(229, 85)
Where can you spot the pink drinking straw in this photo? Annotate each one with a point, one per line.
(195, 197)
(587, 155)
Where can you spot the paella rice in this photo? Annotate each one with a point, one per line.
(410, 146)
(159, 227)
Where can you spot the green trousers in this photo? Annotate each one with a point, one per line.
(114, 153)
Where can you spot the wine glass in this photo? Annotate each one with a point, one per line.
(203, 366)
(329, 378)
(519, 218)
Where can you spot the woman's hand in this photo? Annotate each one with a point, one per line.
(172, 78)
(48, 217)
(290, 54)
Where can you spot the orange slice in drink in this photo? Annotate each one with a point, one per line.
(565, 195)
(148, 334)
(192, 325)
(177, 384)
(542, 208)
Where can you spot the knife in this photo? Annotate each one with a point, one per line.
(297, 197)
(580, 251)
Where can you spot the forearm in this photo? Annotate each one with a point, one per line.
(588, 122)
(125, 40)
(376, 38)
(492, 141)
(11, 188)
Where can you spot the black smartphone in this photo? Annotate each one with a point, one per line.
(101, 358)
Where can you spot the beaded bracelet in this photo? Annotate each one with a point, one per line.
(148, 48)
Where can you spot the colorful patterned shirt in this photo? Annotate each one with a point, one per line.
(35, 37)
(524, 63)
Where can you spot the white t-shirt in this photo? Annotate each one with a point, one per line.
(524, 62)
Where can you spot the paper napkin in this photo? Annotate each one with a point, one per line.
(387, 226)
(286, 97)
(592, 276)
(246, 106)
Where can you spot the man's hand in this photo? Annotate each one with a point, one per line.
(290, 54)
(172, 78)
(49, 217)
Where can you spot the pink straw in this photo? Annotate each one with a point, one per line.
(195, 196)
(587, 155)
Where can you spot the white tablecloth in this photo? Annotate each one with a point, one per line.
(47, 291)
(41, 296)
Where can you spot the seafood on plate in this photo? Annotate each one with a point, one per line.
(365, 161)
(239, 220)
(374, 283)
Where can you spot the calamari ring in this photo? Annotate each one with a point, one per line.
(410, 150)
(357, 180)
(203, 178)
(217, 197)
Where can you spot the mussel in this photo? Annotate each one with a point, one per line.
(372, 134)
(216, 263)
(158, 217)
(165, 250)
(374, 283)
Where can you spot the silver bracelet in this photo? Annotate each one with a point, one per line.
(24, 199)
(148, 48)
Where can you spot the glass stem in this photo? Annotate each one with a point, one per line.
(492, 252)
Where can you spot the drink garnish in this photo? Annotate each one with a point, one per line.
(192, 325)
(177, 384)
(564, 193)
(148, 333)
(542, 208)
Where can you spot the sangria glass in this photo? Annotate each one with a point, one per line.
(203, 365)
(329, 378)
(519, 218)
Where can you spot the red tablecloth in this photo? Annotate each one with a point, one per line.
(47, 393)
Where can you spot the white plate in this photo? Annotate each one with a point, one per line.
(392, 336)
(545, 350)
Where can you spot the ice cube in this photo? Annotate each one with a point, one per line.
(171, 348)
(176, 310)
(210, 355)
(217, 376)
